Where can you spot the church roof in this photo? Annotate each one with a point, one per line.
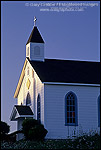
(67, 71)
(24, 110)
(20, 111)
(63, 71)
(35, 36)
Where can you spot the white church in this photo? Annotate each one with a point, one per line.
(63, 94)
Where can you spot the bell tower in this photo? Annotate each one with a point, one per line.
(35, 45)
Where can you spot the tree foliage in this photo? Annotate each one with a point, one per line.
(33, 130)
(5, 128)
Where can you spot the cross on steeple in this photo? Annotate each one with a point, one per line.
(35, 21)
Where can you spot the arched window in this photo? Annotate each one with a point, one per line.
(71, 116)
(28, 71)
(38, 109)
(37, 50)
(28, 99)
(99, 111)
(28, 51)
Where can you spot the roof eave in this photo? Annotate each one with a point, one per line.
(20, 79)
(74, 84)
(13, 114)
(34, 42)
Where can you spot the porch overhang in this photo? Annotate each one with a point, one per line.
(21, 111)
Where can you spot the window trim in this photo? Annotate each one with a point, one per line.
(76, 110)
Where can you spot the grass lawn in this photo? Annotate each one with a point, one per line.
(82, 142)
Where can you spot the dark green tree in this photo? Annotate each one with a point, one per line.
(33, 130)
(5, 128)
(27, 125)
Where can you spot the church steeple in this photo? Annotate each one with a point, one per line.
(35, 36)
(35, 45)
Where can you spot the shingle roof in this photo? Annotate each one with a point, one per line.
(67, 71)
(24, 110)
(35, 36)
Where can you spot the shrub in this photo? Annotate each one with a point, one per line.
(37, 133)
(33, 130)
(87, 141)
(5, 128)
(27, 125)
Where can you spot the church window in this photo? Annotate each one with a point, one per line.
(99, 111)
(32, 73)
(28, 99)
(28, 71)
(38, 109)
(28, 51)
(71, 118)
(37, 50)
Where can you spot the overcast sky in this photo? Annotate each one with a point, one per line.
(70, 29)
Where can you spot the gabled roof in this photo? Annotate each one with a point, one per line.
(20, 111)
(35, 36)
(24, 110)
(67, 71)
(63, 71)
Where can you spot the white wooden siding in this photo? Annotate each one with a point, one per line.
(19, 127)
(39, 89)
(54, 101)
(36, 87)
(53, 105)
